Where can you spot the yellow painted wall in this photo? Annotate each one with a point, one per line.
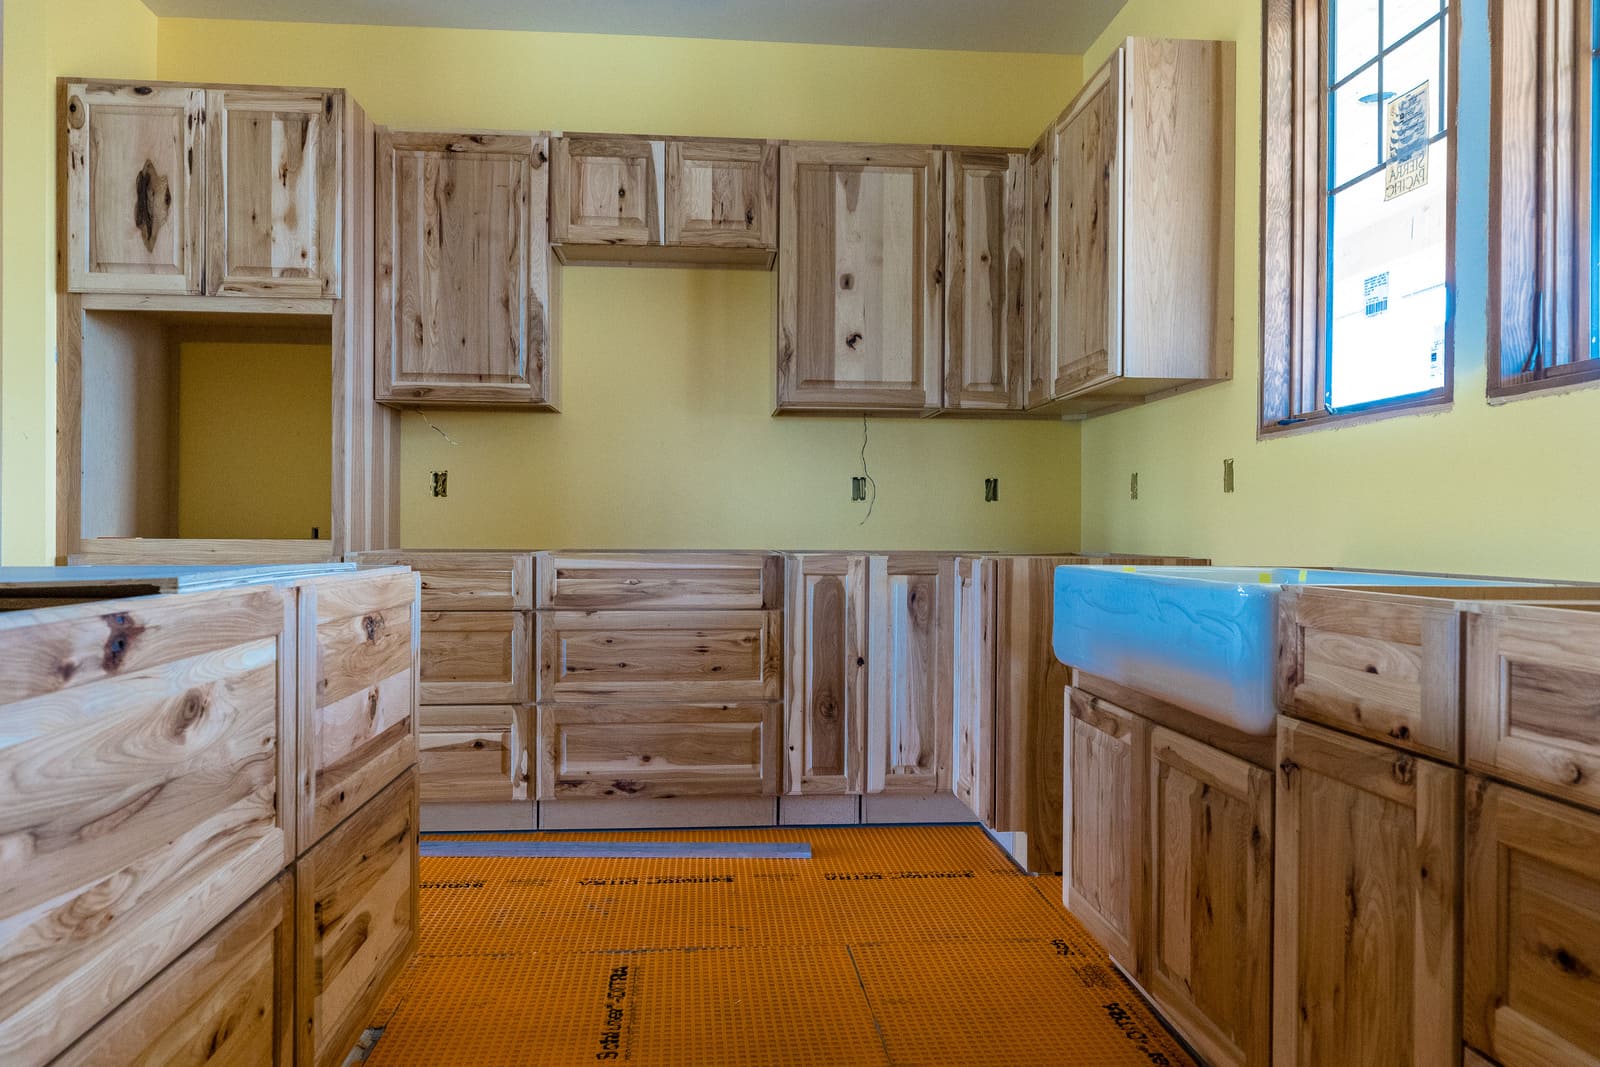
(666, 438)
(1502, 490)
(44, 39)
(254, 441)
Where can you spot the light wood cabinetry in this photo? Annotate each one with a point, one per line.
(1106, 874)
(660, 581)
(465, 580)
(1210, 958)
(659, 750)
(607, 190)
(1040, 271)
(356, 903)
(1532, 928)
(275, 158)
(860, 268)
(826, 677)
(910, 606)
(465, 288)
(972, 746)
(723, 194)
(658, 655)
(986, 300)
(475, 753)
(1367, 903)
(477, 657)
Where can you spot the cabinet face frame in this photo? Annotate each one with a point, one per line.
(520, 367)
(986, 298)
(1531, 927)
(1422, 811)
(168, 195)
(743, 174)
(580, 214)
(812, 287)
(293, 180)
(825, 678)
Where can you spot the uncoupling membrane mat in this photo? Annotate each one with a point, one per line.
(893, 946)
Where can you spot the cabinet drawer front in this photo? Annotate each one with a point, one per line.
(658, 750)
(274, 192)
(660, 581)
(1211, 897)
(475, 754)
(1366, 903)
(476, 657)
(1533, 699)
(358, 693)
(466, 581)
(1383, 666)
(722, 194)
(356, 921)
(229, 999)
(648, 655)
(136, 188)
(606, 190)
(1532, 928)
(146, 761)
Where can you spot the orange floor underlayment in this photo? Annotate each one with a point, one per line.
(891, 945)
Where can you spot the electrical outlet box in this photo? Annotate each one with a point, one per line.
(858, 489)
(991, 490)
(1227, 476)
(1133, 486)
(441, 483)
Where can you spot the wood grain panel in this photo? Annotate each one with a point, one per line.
(273, 191)
(986, 302)
(680, 655)
(470, 753)
(860, 269)
(1041, 280)
(144, 793)
(227, 1000)
(1106, 877)
(356, 921)
(465, 581)
(722, 194)
(476, 657)
(910, 606)
(659, 750)
(606, 189)
(634, 581)
(825, 674)
(358, 693)
(1367, 903)
(465, 291)
(1532, 928)
(1211, 897)
(1533, 698)
(135, 187)
(973, 755)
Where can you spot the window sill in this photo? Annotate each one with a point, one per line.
(1428, 405)
(1557, 386)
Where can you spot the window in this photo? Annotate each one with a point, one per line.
(1542, 269)
(1358, 176)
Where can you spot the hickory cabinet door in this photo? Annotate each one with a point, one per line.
(273, 198)
(463, 270)
(136, 188)
(722, 194)
(910, 712)
(1040, 282)
(986, 302)
(606, 190)
(825, 676)
(860, 291)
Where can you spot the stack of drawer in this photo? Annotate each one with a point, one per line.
(659, 674)
(477, 662)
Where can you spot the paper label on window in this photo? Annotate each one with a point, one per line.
(1406, 134)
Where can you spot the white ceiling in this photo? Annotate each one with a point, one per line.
(980, 25)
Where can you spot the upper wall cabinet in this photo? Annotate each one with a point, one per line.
(860, 278)
(464, 283)
(1040, 270)
(1142, 217)
(637, 200)
(227, 192)
(986, 299)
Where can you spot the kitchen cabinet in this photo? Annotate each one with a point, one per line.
(910, 604)
(475, 753)
(1040, 271)
(860, 278)
(464, 580)
(466, 309)
(972, 747)
(1367, 903)
(1531, 935)
(986, 300)
(659, 749)
(275, 158)
(660, 581)
(660, 655)
(1108, 795)
(232, 192)
(476, 657)
(1210, 920)
(825, 673)
(623, 200)
(1142, 217)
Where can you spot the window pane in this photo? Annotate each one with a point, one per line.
(1355, 34)
(1386, 294)
(1400, 17)
(1356, 118)
(1412, 64)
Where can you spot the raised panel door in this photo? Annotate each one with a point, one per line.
(910, 605)
(722, 194)
(986, 302)
(825, 681)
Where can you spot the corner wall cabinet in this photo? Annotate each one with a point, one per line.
(466, 310)
(986, 300)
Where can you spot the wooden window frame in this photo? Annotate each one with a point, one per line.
(1294, 117)
(1541, 254)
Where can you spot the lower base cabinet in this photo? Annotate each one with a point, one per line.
(475, 753)
(356, 899)
(1366, 965)
(659, 750)
(228, 999)
(1531, 936)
